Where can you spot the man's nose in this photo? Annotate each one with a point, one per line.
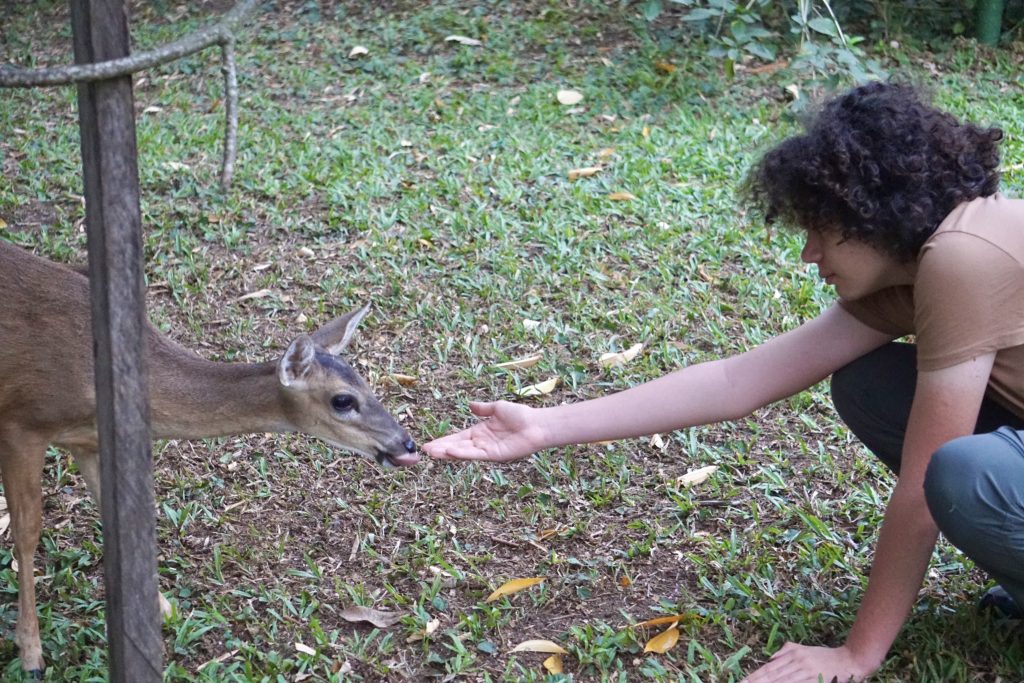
(811, 253)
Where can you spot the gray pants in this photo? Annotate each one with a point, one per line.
(974, 485)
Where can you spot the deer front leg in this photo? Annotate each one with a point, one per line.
(88, 461)
(21, 465)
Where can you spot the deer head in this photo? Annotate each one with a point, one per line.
(324, 397)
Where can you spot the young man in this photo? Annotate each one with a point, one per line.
(899, 206)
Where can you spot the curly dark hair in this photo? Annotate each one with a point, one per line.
(879, 164)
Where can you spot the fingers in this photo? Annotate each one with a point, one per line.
(482, 408)
(457, 446)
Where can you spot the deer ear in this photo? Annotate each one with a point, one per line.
(295, 365)
(335, 335)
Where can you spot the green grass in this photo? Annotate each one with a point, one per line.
(431, 179)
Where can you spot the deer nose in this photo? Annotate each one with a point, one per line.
(410, 446)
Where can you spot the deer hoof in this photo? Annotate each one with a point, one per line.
(35, 674)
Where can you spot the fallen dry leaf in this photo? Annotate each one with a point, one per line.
(521, 363)
(539, 646)
(569, 97)
(513, 586)
(553, 664)
(258, 294)
(694, 477)
(376, 617)
(304, 649)
(664, 641)
(464, 40)
(658, 621)
(539, 389)
(431, 626)
(403, 380)
(530, 325)
(224, 657)
(621, 196)
(577, 173)
(657, 442)
(357, 51)
(665, 67)
(609, 360)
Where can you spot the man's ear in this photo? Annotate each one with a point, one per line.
(335, 335)
(295, 366)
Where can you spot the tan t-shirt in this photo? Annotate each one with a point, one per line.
(967, 298)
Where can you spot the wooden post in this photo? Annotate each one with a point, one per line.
(113, 220)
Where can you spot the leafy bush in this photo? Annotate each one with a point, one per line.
(808, 32)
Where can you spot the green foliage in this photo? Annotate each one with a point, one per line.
(430, 178)
(809, 33)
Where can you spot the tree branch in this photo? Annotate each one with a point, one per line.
(221, 33)
(17, 77)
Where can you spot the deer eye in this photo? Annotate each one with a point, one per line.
(343, 403)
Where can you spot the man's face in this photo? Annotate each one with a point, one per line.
(854, 268)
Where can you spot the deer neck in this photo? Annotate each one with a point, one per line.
(194, 398)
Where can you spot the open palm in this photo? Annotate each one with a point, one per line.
(507, 432)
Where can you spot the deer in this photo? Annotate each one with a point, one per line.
(47, 397)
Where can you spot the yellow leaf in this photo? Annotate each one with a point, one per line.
(609, 360)
(605, 152)
(569, 97)
(577, 173)
(625, 581)
(658, 621)
(553, 664)
(664, 641)
(621, 196)
(3, 224)
(540, 646)
(694, 477)
(521, 363)
(403, 380)
(666, 67)
(539, 389)
(513, 586)
(646, 132)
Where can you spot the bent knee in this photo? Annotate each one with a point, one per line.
(963, 485)
(946, 481)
